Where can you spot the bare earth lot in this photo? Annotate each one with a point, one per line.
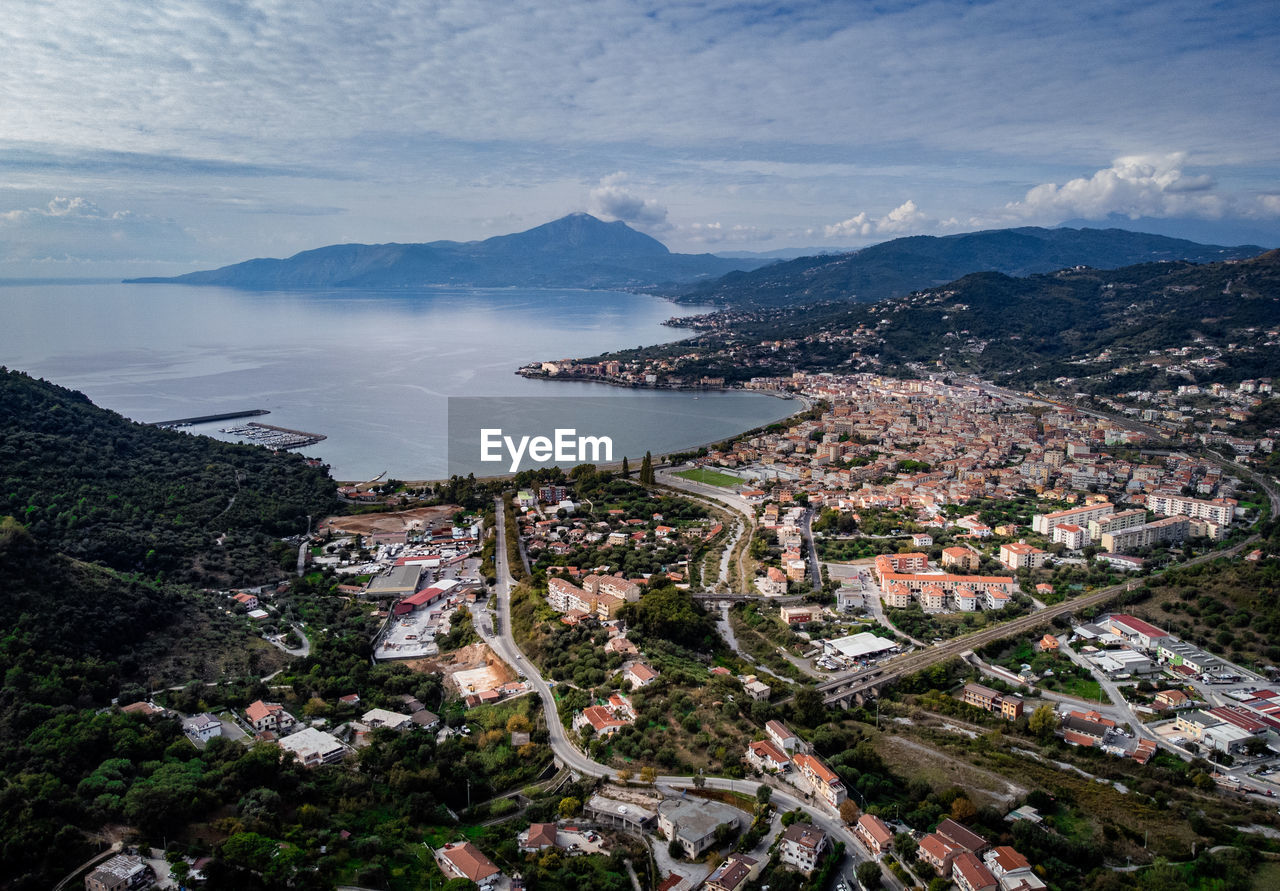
(399, 521)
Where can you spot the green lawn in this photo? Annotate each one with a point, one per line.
(710, 477)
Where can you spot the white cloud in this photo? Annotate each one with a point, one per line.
(76, 230)
(612, 200)
(906, 217)
(1135, 186)
(718, 233)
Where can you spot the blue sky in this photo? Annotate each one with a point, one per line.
(140, 137)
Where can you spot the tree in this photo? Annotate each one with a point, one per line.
(849, 812)
(1043, 722)
(869, 875)
(646, 469)
(626, 467)
(569, 806)
(963, 809)
(906, 845)
(648, 775)
(699, 781)
(624, 775)
(675, 850)
(808, 708)
(518, 724)
(763, 794)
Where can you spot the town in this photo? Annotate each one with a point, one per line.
(664, 657)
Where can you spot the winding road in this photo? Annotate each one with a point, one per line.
(503, 643)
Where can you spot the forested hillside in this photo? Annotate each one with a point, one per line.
(898, 267)
(96, 486)
(1139, 327)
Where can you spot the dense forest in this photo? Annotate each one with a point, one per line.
(96, 486)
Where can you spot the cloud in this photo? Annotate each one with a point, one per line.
(75, 229)
(906, 217)
(718, 233)
(612, 200)
(1135, 186)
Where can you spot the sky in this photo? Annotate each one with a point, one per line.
(164, 136)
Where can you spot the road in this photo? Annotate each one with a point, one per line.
(570, 756)
(733, 501)
(806, 533)
(873, 598)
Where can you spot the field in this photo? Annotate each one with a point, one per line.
(710, 477)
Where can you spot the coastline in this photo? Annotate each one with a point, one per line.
(806, 404)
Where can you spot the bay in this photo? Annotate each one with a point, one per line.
(370, 370)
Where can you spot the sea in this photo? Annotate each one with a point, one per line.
(372, 371)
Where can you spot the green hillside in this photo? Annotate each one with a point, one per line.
(96, 486)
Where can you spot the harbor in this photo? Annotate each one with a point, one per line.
(273, 437)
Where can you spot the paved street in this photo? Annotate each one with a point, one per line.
(505, 646)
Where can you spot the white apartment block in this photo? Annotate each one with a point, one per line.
(1219, 510)
(1126, 519)
(1078, 516)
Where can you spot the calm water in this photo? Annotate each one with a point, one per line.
(370, 370)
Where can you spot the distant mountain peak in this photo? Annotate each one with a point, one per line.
(575, 251)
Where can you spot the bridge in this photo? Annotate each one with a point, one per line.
(861, 686)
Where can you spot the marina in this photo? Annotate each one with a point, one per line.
(273, 437)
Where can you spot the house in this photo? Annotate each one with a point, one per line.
(248, 601)
(784, 738)
(425, 719)
(463, 860)
(538, 837)
(802, 846)
(874, 833)
(1004, 860)
(734, 873)
(600, 719)
(621, 646)
(692, 822)
(120, 873)
(202, 728)
(961, 557)
(938, 851)
(1085, 728)
(380, 717)
(1022, 556)
(1173, 699)
(961, 836)
(969, 873)
(264, 716)
(640, 675)
(764, 755)
(1009, 707)
(796, 615)
(314, 747)
(619, 814)
(756, 688)
(823, 779)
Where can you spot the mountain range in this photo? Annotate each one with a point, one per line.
(903, 265)
(576, 251)
(581, 251)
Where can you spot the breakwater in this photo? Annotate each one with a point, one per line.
(207, 419)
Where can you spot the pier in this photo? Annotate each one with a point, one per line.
(206, 419)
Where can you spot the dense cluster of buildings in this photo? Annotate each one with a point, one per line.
(905, 577)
